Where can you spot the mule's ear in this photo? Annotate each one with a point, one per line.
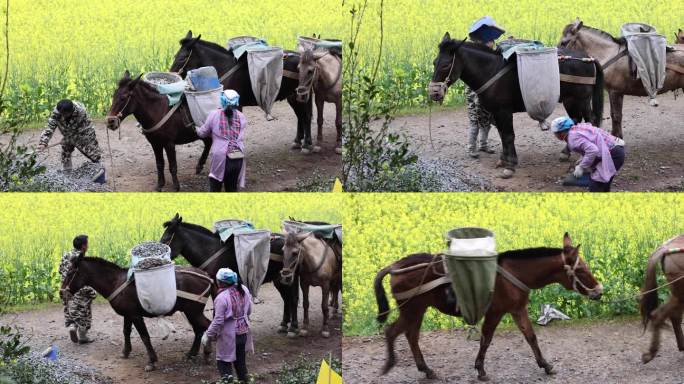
(578, 25)
(567, 241)
(180, 219)
(189, 35)
(446, 37)
(198, 38)
(680, 30)
(127, 75)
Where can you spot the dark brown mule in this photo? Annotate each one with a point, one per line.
(106, 278)
(535, 268)
(679, 37)
(618, 78)
(136, 97)
(670, 256)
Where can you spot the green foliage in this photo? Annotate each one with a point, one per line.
(304, 371)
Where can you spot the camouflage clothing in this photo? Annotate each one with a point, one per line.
(77, 310)
(78, 133)
(480, 122)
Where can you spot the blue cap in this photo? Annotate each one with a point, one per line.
(229, 98)
(226, 275)
(562, 124)
(485, 29)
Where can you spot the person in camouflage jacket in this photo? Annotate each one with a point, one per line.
(72, 120)
(77, 311)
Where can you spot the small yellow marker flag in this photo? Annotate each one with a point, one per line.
(327, 375)
(337, 188)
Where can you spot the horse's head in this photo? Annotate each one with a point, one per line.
(570, 38)
(185, 59)
(73, 280)
(292, 255)
(169, 237)
(578, 277)
(448, 68)
(123, 102)
(679, 37)
(308, 69)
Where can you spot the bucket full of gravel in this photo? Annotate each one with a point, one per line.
(162, 78)
(155, 277)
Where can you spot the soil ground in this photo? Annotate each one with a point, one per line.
(653, 139)
(606, 352)
(46, 326)
(272, 166)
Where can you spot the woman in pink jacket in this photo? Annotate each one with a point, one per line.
(226, 126)
(230, 327)
(602, 153)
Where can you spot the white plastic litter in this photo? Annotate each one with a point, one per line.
(539, 78)
(549, 313)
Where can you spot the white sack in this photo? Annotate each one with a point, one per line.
(266, 75)
(201, 104)
(647, 49)
(252, 251)
(539, 78)
(156, 289)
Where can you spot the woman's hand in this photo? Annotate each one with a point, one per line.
(579, 171)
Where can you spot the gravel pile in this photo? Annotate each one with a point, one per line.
(151, 262)
(77, 180)
(150, 255)
(449, 176)
(64, 370)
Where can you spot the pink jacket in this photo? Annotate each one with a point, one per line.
(219, 144)
(594, 144)
(222, 328)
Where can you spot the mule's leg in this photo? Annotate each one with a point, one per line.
(676, 320)
(145, 336)
(525, 325)
(391, 332)
(325, 294)
(509, 157)
(292, 100)
(413, 335)
(203, 157)
(658, 316)
(127, 328)
(320, 104)
(338, 124)
(173, 165)
(616, 100)
(305, 305)
(159, 159)
(294, 307)
(283, 291)
(491, 321)
(197, 329)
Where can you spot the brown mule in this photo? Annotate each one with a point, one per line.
(679, 37)
(534, 267)
(618, 79)
(106, 278)
(670, 256)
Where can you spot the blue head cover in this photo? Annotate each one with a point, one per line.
(226, 275)
(229, 98)
(561, 124)
(485, 29)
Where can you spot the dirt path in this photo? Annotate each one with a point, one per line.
(606, 353)
(653, 136)
(272, 349)
(271, 165)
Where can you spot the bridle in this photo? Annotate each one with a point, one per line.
(304, 90)
(118, 117)
(440, 87)
(288, 271)
(187, 60)
(572, 275)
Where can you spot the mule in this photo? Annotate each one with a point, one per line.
(670, 256)
(140, 99)
(320, 72)
(198, 244)
(106, 278)
(476, 64)
(196, 53)
(535, 268)
(318, 265)
(619, 81)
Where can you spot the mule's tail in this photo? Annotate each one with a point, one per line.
(597, 96)
(649, 300)
(380, 295)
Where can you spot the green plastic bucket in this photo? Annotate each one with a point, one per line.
(471, 262)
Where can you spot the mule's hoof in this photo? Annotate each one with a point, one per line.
(292, 335)
(198, 170)
(338, 150)
(499, 164)
(316, 149)
(483, 377)
(325, 334)
(282, 329)
(564, 157)
(647, 357)
(150, 368)
(548, 368)
(430, 374)
(303, 332)
(296, 146)
(125, 355)
(653, 102)
(159, 189)
(507, 173)
(306, 151)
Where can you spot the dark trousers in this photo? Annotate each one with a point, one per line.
(618, 155)
(226, 369)
(231, 177)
